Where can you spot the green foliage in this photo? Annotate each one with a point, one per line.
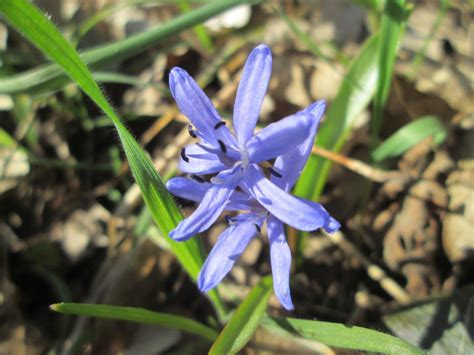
(368, 77)
(43, 34)
(390, 32)
(138, 315)
(51, 77)
(410, 135)
(199, 30)
(356, 91)
(342, 336)
(244, 322)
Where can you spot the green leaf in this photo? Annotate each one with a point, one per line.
(6, 140)
(356, 90)
(341, 336)
(390, 32)
(410, 135)
(51, 76)
(117, 78)
(42, 33)
(371, 5)
(245, 320)
(138, 315)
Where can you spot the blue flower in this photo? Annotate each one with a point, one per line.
(263, 200)
(236, 159)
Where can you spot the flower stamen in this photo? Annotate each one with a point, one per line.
(258, 229)
(274, 173)
(197, 178)
(222, 146)
(229, 220)
(219, 124)
(191, 131)
(183, 155)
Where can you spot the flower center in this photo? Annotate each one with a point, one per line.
(244, 156)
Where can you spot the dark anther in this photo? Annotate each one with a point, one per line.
(229, 220)
(219, 124)
(192, 133)
(222, 145)
(183, 155)
(197, 178)
(274, 173)
(259, 231)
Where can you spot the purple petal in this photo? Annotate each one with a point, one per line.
(280, 256)
(194, 190)
(196, 160)
(331, 225)
(252, 88)
(210, 208)
(291, 164)
(195, 105)
(317, 108)
(228, 248)
(280, 137)
(296, 212)
(240, 201)
(187, 188)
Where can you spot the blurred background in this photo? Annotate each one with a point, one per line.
(73, 226)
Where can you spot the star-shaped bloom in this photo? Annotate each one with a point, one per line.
(236, 159)
(259, 199)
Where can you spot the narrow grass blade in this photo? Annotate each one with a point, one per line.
(410, 135)
(390, 33)
(117, 78)
(356, 90)
(371, 5)
(309, 42)
(42, 33)
(51, 76)
(245, 320)
(138, 315)
(420, 55)
(200, 30)
(342, 336)
(102, 14)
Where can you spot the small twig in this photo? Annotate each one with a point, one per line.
(375, 272)
(158, 126)
(359, 167)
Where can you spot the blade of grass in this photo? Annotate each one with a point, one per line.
(117, 78)
(342, 336)
(200, 30)
(102, 14)
(371, 5)
(29, 20)
(390, 33)
(356, 90)
(308, 41)
(302, 36)
(6, 140)
(138, 315)
(410, 135)
(244, 322)
(420, 55)
(52, 77)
